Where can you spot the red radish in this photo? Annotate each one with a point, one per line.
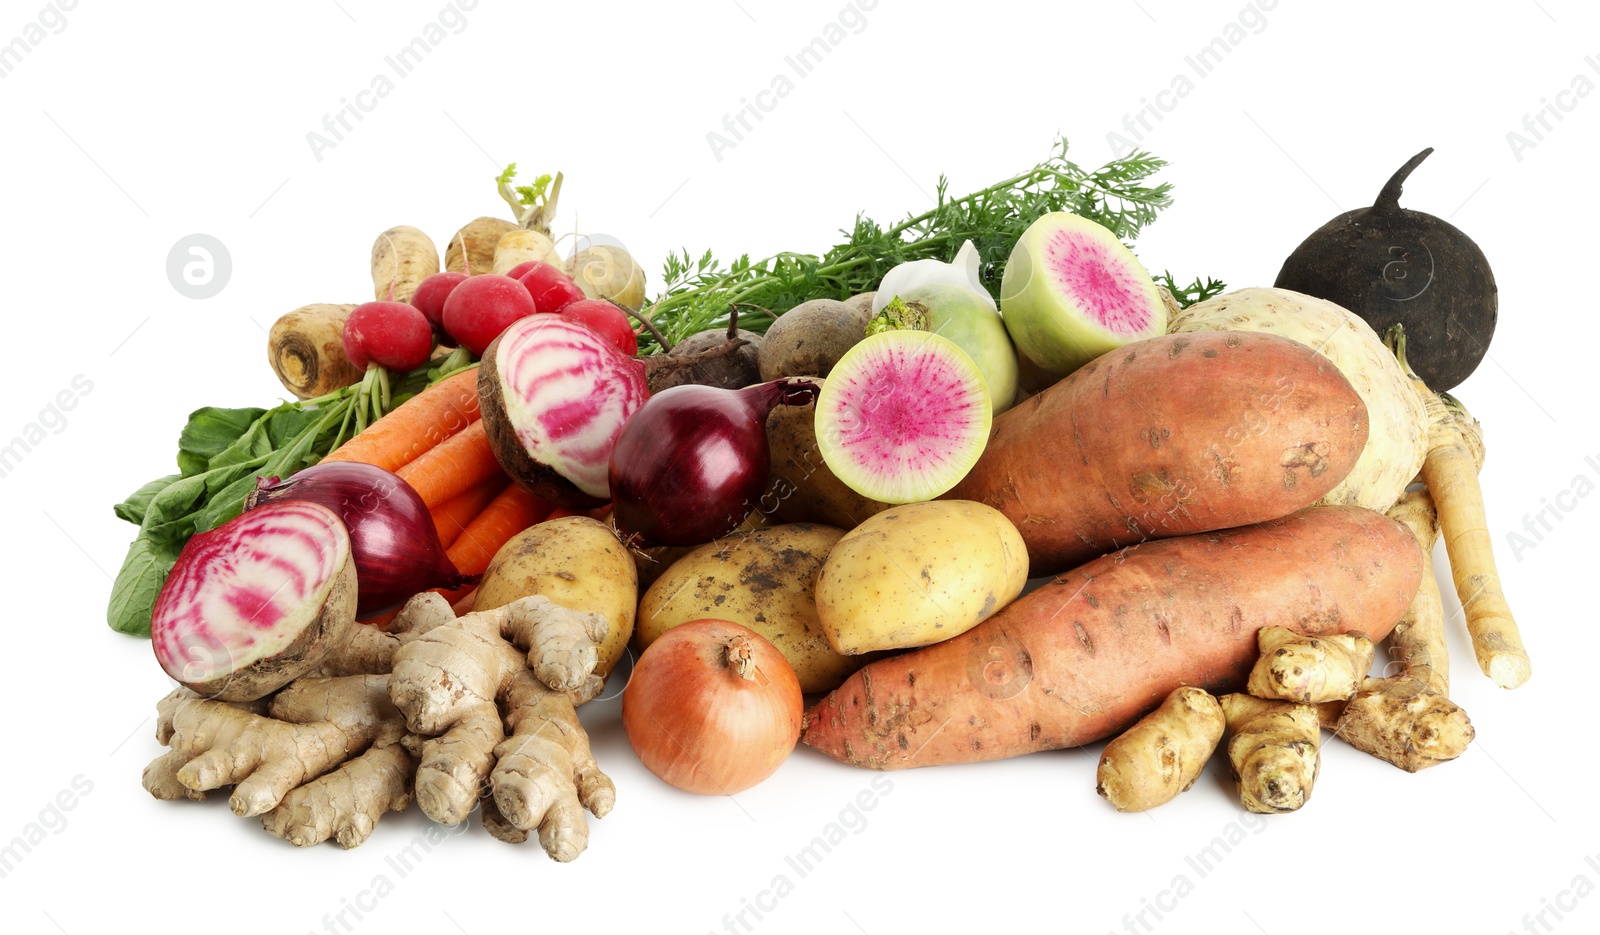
(392, 537)
(552, 290)
(554, 395)
(517, 272)
(431, 294)
(391, 334)
(257, 602)
(480, 308)
(609, 321)
(690, 465)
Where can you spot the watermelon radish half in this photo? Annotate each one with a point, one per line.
(903, 416)
(1072, 291)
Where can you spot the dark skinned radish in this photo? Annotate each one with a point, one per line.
(691, 463)
(257, 602)
(390, 334)
(1391, 265)
(392, 536)
(607, 319)
(551, 289)
(478, 310)
(430, 297)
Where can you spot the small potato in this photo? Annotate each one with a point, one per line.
(762, 580)
(919, 574)
(803, 489)
(807, 340)
(576, 562)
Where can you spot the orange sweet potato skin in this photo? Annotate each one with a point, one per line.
(1085, 656)
(1178, 434)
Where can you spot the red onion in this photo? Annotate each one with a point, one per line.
(392, 537)
(690, 464)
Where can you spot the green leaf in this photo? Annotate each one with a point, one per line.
(212, 430)
(138, 583)
(133, 508)
(283, 426)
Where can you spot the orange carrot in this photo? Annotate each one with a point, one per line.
(510, 513)
(453, 467)
(418, 425)
(451, 517)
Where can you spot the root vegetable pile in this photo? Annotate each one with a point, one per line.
(829, 474)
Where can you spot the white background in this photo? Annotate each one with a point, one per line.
(140, 123)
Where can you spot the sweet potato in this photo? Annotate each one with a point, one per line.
(1174, 435)
(1087, 655)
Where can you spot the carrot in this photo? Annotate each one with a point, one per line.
(452, 516)
(511, 512)
(453, 467)
(417, 425)
(1085, 656)
(1174, 435)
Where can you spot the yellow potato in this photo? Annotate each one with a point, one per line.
(762, 580)
(919, 574)
(576, 562)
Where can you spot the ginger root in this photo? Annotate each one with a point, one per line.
(1163, 754)
(1309, 669)
(302, 743)
(1275, 751)
(492, 696)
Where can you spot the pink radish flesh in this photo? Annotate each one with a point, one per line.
(567, 392)
(247, 590)
(1097, 283)
(903, 416)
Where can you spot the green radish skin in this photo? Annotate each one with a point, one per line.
(903, 416)
(958, 313)
(1072, 291)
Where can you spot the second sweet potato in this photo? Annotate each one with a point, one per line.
(1174, 435)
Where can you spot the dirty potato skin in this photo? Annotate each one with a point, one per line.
(576, 562)
(763, 580)
(1174, 435)
(917, 574)
(1088, 654)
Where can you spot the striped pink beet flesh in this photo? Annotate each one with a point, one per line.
(255, 601)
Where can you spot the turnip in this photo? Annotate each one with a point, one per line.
(1072, 291)
(554, 396)
(257, 602)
